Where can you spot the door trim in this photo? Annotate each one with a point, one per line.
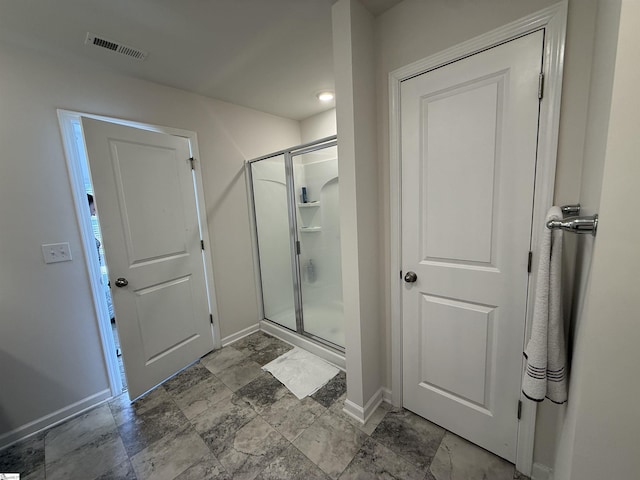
(553, 21)
(65, 118)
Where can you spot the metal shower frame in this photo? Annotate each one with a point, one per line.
(294, 239)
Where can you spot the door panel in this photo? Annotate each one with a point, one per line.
(446, 322)
(269, 179)
(150, 236)
(459, 128)
(146, 204)
(469, 133)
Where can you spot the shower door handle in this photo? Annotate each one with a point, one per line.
(410, 277)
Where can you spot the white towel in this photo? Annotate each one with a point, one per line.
(545, 374)
(302, 372)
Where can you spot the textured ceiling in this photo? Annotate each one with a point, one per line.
(270, 55)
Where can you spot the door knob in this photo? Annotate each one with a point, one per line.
(123, 282)
(410, 277)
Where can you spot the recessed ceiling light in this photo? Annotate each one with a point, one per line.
(325, 96)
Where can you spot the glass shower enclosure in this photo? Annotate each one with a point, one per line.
(297, 222)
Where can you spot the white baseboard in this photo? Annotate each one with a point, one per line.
(387, 396)
(234, 337)
(362, 414)
(541, 472)
(53, 418)
(353, 410)
(292, 338)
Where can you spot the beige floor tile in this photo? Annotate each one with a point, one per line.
(458, 459)
(331, 443)
(170, 456)
(222, 359)
(251, 449)
(291, 416)
(201, 396)
(240, 374)
(83, 430)
(90, 461)
(375, 461)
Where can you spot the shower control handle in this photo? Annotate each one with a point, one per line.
(122, 282)
(410, 277)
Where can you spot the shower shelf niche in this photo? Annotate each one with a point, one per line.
(310, 229)
(309, 204)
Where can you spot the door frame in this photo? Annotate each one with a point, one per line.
(65, 119)
(553, 21)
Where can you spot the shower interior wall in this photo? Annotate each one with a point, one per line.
(319, 235)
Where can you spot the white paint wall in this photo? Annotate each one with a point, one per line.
(50, 354)
(596, 432)
(597, 125)
(579, 50)
(318, 126)
(353, 50)
(600, 45)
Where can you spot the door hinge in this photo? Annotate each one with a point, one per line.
(529, 261)
(541, 86)
(211, 320)
(202, 244)
(519, 409)
(192, 164)
(297, 247)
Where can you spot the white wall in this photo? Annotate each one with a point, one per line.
(353, 50)
(599, 433)
(318, 126)
(579, 50)
(605, 14)
(599, 106)
(321, 179)
(50, 354)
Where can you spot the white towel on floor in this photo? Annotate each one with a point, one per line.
(302, 372)
(545, 374)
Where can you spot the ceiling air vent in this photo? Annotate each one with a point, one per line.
(117, 47)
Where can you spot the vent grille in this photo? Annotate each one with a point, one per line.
(116, 47)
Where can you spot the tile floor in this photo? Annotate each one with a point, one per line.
(224, 418)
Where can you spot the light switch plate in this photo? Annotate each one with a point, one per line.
(56, 252)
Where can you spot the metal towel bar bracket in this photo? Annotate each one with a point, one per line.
(588, 224)
(570, 210)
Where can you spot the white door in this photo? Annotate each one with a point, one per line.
(146, 202)
(469, 133)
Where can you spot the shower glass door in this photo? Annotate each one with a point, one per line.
(270, 193)
(295, 199)
(318, 220)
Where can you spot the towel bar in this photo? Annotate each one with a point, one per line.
(576, 224)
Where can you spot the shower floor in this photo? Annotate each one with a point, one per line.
(324, 321)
